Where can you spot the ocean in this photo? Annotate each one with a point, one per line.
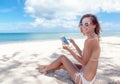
(13, 37)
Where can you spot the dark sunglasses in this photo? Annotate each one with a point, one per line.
(85, 24)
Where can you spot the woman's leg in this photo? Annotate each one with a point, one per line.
(66, 64)
(61, 67)
(77, 65)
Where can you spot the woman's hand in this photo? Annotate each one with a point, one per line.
(72, 41)
(66, 47)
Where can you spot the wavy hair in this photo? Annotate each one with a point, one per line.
(94, 21)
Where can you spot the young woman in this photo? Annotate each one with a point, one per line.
(85, 72)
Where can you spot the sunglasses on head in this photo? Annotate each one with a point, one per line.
(85, 24)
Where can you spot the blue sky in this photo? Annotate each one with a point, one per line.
(56, 15)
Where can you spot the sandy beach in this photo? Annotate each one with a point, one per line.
(18, 62)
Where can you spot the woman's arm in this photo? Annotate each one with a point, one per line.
(87, 52)
(78, 58)
(76, 47)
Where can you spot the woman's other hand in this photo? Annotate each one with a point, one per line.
(72, 41)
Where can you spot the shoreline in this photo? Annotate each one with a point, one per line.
(43, 40)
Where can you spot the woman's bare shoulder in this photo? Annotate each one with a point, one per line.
(92, 42)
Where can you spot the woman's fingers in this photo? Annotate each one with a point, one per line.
(71, 40)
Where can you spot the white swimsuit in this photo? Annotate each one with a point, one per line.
(84, 81)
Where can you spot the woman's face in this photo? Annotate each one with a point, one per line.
(87, 25)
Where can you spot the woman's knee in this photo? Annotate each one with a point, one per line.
(63, 57)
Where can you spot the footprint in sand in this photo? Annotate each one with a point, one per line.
(15, 54)
(35, 55)
(4, 58)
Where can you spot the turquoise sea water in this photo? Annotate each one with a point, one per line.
(12, 37)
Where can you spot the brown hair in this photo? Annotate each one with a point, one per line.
(94, 21)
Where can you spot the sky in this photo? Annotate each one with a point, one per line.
(18, 16)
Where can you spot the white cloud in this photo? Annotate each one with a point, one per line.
(53, 13)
